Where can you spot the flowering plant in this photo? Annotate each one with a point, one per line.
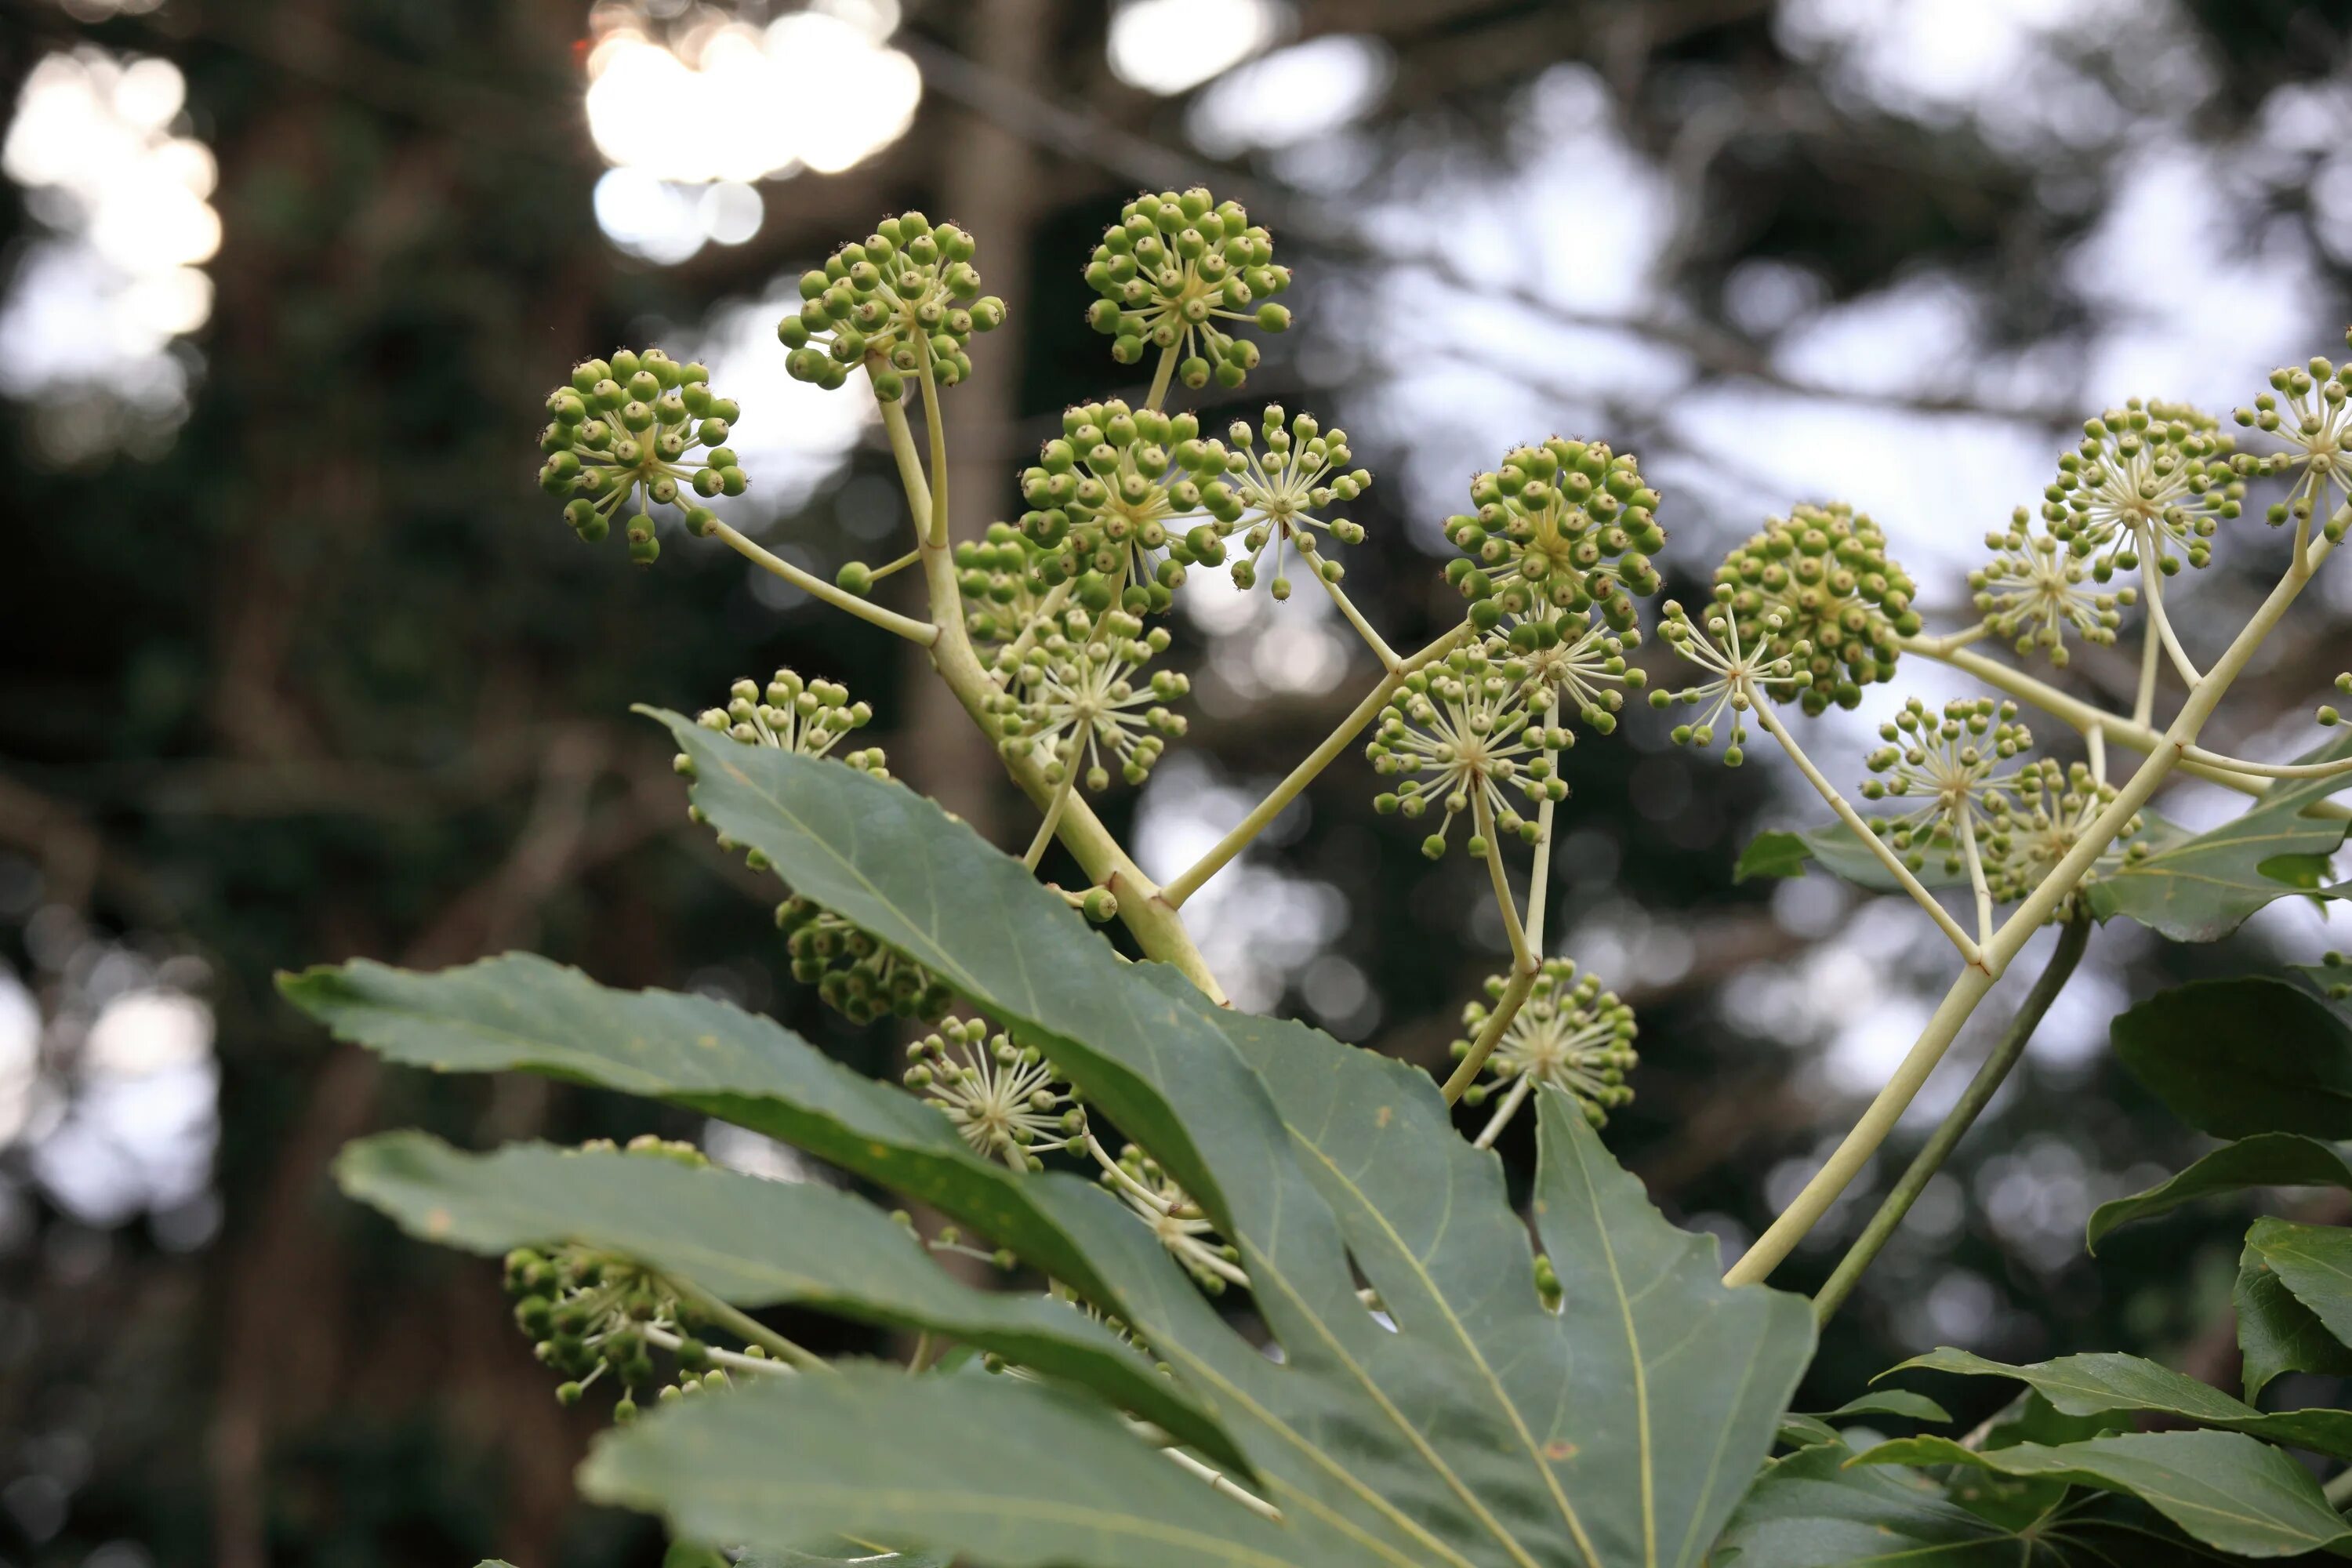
(1417, 1379)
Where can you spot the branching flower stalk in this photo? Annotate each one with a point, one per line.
(1046, 633)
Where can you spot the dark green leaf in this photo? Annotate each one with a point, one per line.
(520, 1011)
(2239, 1057)
(1797, 1431)
(751, 1243)
(1815, 1509)
(2293, 1300)
(2224, 1489)
(1899, 1402)
(1547, 1473)
(2106, 1382)
(1427, 1219)
(2276, 1332)
(2202, 887)
(1014, 1474)
(2264, 1160)
(1836, 850)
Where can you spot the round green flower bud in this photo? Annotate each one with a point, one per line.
(855, 577)
(1816, 588)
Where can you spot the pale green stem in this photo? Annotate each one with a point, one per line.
(1053, 810)
(749, 1330)
(910, 466)
(1520, 1088)
(1977, 876)
(2339, 1490)
(907, 626)
(731, 1360)
(924, 1346)
(938, 431)
(1521, 959)
(1218, 1481)
(1507, 1007)
(2144, 701)
(900, 564)
(1861, 829)
(1372, 640)
(1161, 376)
(2095, 724)
(1847, 1161)
(2269, 770)
(1305, 773)
(2094, 741)
(2154, 578)
(2072, 937)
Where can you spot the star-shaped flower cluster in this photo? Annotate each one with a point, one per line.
(630, 426)
(908, 290)
(2150, 481)
(1456, 736)
(1566, 526)
(1172, 270)
(1569, 1033)
(2037, 592)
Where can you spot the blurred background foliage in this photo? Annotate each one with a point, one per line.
(295, 662)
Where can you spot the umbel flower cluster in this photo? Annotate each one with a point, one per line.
(1170, 270)
(594, 1318)
(1050, 627)
(626, 433)
(905, 299)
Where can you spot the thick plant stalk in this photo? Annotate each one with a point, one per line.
(2073, 938)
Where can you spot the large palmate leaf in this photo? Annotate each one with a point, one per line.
(1011, 1472)
(2106, 1382)
(2202, 887)
(1632, 1454)
(1816, 1509)
(2224, 1489)
(2264, 1160)
(2239, 1057)
(1470, 1426)
(751, 1243)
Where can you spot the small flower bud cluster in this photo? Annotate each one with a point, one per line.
(1108, 497)
(1180, 1225)
(633, 423)
(1170, 269)
(2033, 592)
(906, 294)
(1568, 525)
(2056, 808)
(2306, 408)
(1004, 1099)
(791, 714)
(1078, 696)
(2327, 716)
(1821, 576)
(855, 973)
(1738, 676)
(2148, 480)
(591, 1316)
(1570, 665)
(1283, 494)
(1002, 581)
(1950, 766)
(1455, 735)
(1569, 1033)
